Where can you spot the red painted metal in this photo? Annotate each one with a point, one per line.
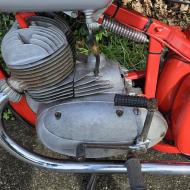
(181, 117)
(169, 135)
(152, 68)
(21, 18)
(2, 74)
(134, 75)
(126, 17)
(187, 32)
(24, 110)
(166, 148)
(170, 36)
(175, 68)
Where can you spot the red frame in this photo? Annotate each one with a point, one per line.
(160, 35)
(21, 18)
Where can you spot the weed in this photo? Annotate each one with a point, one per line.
(129, 54)
(8, 115)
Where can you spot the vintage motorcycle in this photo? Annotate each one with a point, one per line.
(89, 107)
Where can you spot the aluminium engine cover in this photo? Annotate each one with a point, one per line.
(63, 126)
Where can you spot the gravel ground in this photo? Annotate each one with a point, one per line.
(16, 175)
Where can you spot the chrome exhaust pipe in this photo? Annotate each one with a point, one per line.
(157, 167)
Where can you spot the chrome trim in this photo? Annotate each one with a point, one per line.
(158, 167)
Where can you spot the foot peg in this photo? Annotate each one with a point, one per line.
(136, 179)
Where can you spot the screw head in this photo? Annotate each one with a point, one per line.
(119, 113)
(58, 115)
(136, 111)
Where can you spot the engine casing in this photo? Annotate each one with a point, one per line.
(94, 120)
(63, 126)
(73, 104)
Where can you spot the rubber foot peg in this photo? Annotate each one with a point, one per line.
(130, 101)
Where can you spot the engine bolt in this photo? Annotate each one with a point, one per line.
(136, 111)
(57, 115)
(119, 113)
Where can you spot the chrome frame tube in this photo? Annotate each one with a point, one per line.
(165, 167)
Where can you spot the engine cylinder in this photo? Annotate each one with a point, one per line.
(42, 62)
(41, 56)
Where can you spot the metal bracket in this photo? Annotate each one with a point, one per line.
(142, 141)
(73, 14)
(140, 147)
(81, 148)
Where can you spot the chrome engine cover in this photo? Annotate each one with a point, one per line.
(62, 126)
(49, 5)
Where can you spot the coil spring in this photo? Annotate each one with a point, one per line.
(124, 31)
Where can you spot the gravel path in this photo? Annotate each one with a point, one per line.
(16, 175)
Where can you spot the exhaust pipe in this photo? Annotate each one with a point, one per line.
(157, 167)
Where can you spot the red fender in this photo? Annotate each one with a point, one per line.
(23, 109)
(169, 81)
(181, 117)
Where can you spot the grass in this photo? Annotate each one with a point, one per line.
(127, 53)
(6, 20)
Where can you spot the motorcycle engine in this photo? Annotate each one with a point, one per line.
(73, 105)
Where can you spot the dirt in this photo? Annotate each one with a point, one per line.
(169, 12)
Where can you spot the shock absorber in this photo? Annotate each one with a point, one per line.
(124, 31)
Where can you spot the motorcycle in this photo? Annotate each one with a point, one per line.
(89, 107)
